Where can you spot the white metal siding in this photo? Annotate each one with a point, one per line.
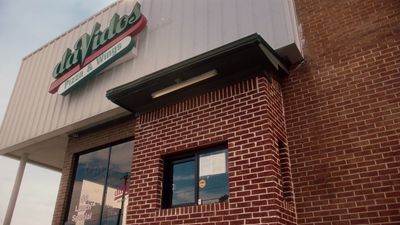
(176, 30)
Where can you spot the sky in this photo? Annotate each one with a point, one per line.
(25, 26)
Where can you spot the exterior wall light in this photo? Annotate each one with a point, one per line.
(185, 83)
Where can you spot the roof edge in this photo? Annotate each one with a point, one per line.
(42, 165)
(253, 39)
(230, 61)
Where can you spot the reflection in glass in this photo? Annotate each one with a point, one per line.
(91, 203)
(213, 177)
(116, 199)
(87, 194)
(183, 180)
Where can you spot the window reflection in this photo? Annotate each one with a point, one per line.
(85, 207)
(197, 178)
(183, 183)
(92, 203)
(116, 199)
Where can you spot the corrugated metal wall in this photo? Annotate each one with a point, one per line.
(176, 30)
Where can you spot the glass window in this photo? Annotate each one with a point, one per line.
(117, 181)
(99, 194)
(198, 178)
(213, 178)
(183, 179)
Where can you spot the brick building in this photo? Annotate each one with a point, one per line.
(285, 113)
(342, 113)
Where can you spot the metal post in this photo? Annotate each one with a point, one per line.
(17, 185)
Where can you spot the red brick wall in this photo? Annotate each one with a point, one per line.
(343, 113)
(248, 116)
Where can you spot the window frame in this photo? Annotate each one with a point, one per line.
(166, 196)
(75, 159)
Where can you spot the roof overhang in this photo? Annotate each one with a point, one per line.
(235, 61)
(48, 150)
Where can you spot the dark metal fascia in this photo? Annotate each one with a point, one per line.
(251, 40)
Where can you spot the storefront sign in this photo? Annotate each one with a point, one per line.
(94, 67)
(94, 52)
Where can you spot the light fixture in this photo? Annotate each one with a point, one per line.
(185, 83)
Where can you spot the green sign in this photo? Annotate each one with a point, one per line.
(95, 51)
(101, 62)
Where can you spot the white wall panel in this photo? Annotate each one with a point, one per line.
(176, 30)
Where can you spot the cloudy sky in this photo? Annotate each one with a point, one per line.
(26, 25)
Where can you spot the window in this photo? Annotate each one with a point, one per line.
(198, 178)
(100, 186)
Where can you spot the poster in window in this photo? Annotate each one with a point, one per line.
(212, 164)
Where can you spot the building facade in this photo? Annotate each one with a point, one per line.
(342, 113)
(217, 112)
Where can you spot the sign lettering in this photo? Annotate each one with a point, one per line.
(95, 51)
